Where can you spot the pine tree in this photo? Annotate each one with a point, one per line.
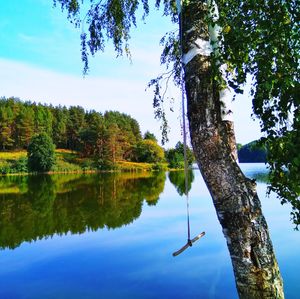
(59, 126)
(75, 123)
(6, 127)
(24, 126)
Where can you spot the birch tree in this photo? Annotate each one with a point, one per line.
(217, 46)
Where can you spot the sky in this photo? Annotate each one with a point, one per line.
(40, 61)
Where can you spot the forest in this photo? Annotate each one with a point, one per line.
(252, 152)
(109, 137)
(103, 138)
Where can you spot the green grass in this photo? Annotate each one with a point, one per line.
(13, 162)
(69, 161)
(133, 166)
(66, 161)
(12, 156)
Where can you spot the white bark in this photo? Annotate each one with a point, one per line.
(199, 47)
(205, 48)
(234, 196)
(226, 94)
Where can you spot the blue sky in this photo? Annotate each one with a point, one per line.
(40, 61)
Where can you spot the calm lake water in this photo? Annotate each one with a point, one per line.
(112, 236)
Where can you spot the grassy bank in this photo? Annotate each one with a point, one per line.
(66, 162)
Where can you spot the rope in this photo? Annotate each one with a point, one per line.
(184, 122)
(189, 240)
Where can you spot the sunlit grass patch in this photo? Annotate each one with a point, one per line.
(133, 166)
(15, 155)
(70, 161)
(64, 151)
(138, 166)
(15, 162)
(64, 166)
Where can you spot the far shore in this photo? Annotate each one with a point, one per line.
(68, 162)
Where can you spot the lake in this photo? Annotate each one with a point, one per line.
(113, 235)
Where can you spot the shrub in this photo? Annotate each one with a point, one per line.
(21, 165)
(159, 167)
(40, 152)
(149, 151)
(175, 156)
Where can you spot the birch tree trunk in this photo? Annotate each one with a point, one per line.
(235, 198)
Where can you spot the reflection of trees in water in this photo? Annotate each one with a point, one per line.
(60, 204)
(12, 185)
(177, 178)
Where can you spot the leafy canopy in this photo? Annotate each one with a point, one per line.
(260, 40)
(175, 156)
(150, 136)
(149, 151)
(40, 152)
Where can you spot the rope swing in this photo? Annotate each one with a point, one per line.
(189, 240)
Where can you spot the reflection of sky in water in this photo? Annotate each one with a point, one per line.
(136, 261)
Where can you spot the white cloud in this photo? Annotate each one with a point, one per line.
(125, 95)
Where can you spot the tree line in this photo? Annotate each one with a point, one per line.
(105, 137)
(252, 152)
(110, 136)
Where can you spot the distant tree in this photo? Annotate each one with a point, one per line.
(174, 159)
(102, 151)
(90, 133)
(238, 146)
(76, 122)
(59, 126)
(24, 126)
(149, 151)
(8, 121)
(93, 119)
(40, 152)
(42, 119)
(150, 136)
(128, 131)
(117, 142)
(88, 138)
(252, 152)
(175, 156)
(6, 127)
(135, 128)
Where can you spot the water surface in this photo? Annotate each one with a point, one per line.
(112, 236)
